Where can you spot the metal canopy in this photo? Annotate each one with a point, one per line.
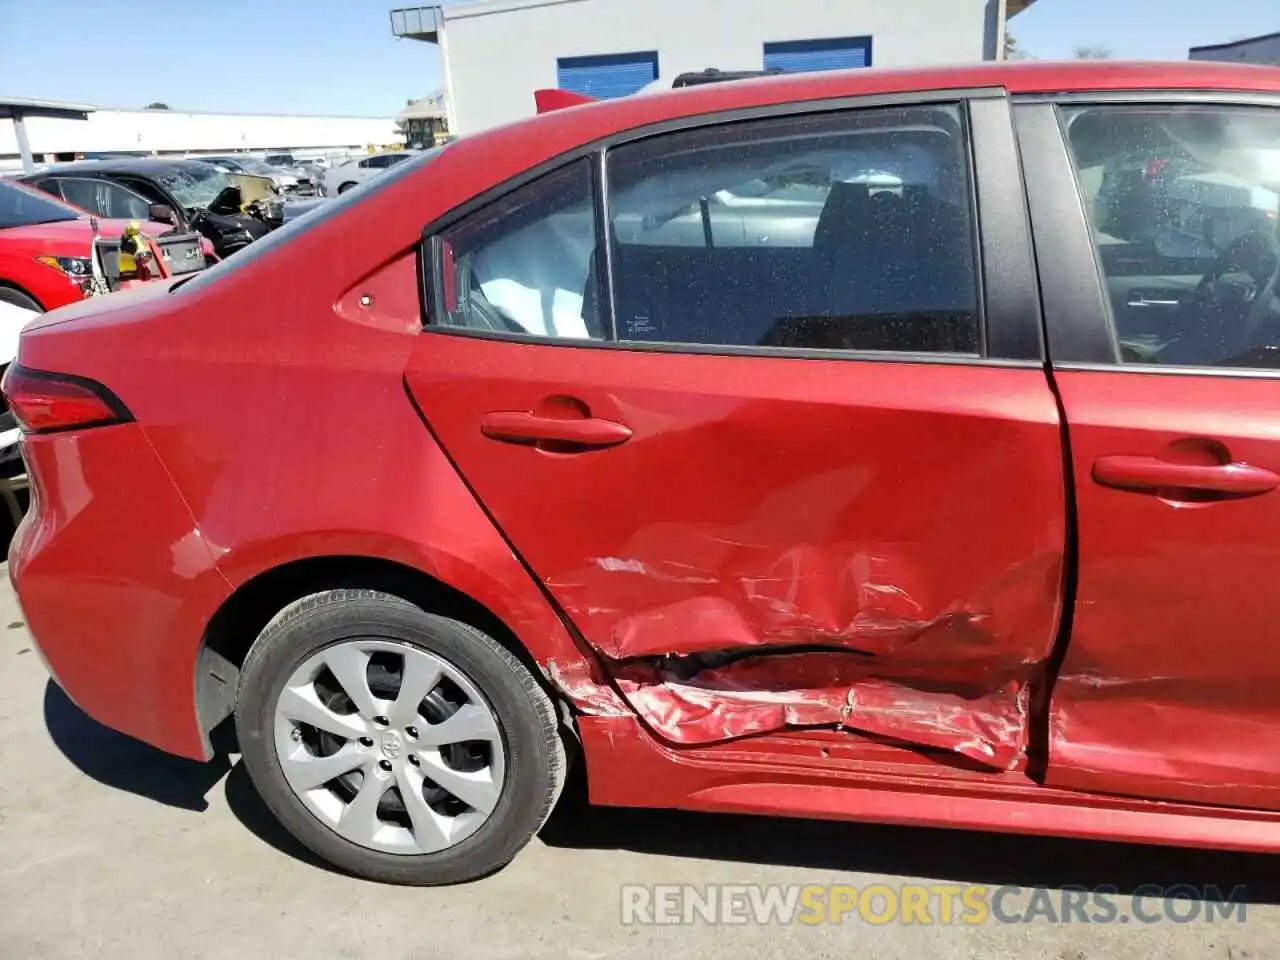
(417, 23)
(19, 110)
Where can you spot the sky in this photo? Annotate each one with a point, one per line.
(1138, 29)
(326, 57)
(338, 57)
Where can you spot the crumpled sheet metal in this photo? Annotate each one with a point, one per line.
(587, 693)
(873, 601)
(895, 663)
(763, 694)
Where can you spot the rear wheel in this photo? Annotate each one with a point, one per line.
(345, 187)
(398, 745)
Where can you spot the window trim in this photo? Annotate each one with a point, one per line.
(985, 157)
(1080, 329)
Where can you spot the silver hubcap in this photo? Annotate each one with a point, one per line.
(390, 746)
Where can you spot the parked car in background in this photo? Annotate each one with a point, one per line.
(189, 195)
(309, 170)
(289, 182)
(14, 491)
(344, 176)
(46, 246)
(906, 495)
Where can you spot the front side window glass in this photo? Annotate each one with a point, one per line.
(1184, 204)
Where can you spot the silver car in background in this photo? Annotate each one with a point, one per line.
(290, 183)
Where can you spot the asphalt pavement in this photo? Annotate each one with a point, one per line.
(110, 849)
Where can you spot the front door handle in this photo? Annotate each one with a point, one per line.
(1149, 475)
(515, 426)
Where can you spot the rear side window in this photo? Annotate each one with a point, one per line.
(527, 263)
(850, 231)
(1184, 204)
(105, 199)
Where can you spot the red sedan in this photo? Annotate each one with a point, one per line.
(46, 248)
(891, 446)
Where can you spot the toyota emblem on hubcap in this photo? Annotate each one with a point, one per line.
(392, 745)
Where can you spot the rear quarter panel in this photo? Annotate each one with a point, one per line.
(275, 401)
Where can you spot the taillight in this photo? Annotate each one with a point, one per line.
(44, 402)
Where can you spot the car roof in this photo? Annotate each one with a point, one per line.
(473, 164)
(1021, 77)
(148, 167)
(499, 153)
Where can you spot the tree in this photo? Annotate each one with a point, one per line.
(1011, 49)
(156, 106)
(1084, 52)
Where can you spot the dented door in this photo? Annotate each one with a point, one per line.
(761, 537)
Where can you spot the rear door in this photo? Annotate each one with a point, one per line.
(810, 482)
(1157, 217)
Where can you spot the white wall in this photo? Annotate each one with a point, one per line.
(167, 130)
(498, 53)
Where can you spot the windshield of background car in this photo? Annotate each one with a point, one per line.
(320, 214)
(252, 165)
(196, 185)
(21, 207)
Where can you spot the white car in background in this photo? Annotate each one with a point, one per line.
(356, 171)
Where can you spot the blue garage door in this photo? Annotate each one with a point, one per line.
(799, 56)
(605, 77)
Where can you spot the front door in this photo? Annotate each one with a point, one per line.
(1168, 688)
(769, 472)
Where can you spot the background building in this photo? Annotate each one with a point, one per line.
(495, 53)
(175, 132)
(423, 122)
(1264, 49)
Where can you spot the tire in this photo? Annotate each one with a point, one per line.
(345, 187)
(19, 299)
(530, 769)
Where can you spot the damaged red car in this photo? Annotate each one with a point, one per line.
(889, 446)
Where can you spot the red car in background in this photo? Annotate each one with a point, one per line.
(46, 248)
(897, 446)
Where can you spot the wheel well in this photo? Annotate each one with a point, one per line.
(250, 608)
(9, 284)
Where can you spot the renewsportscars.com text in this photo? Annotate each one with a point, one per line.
(927, 904)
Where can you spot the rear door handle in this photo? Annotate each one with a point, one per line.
(516, 426)
(1149, 475)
